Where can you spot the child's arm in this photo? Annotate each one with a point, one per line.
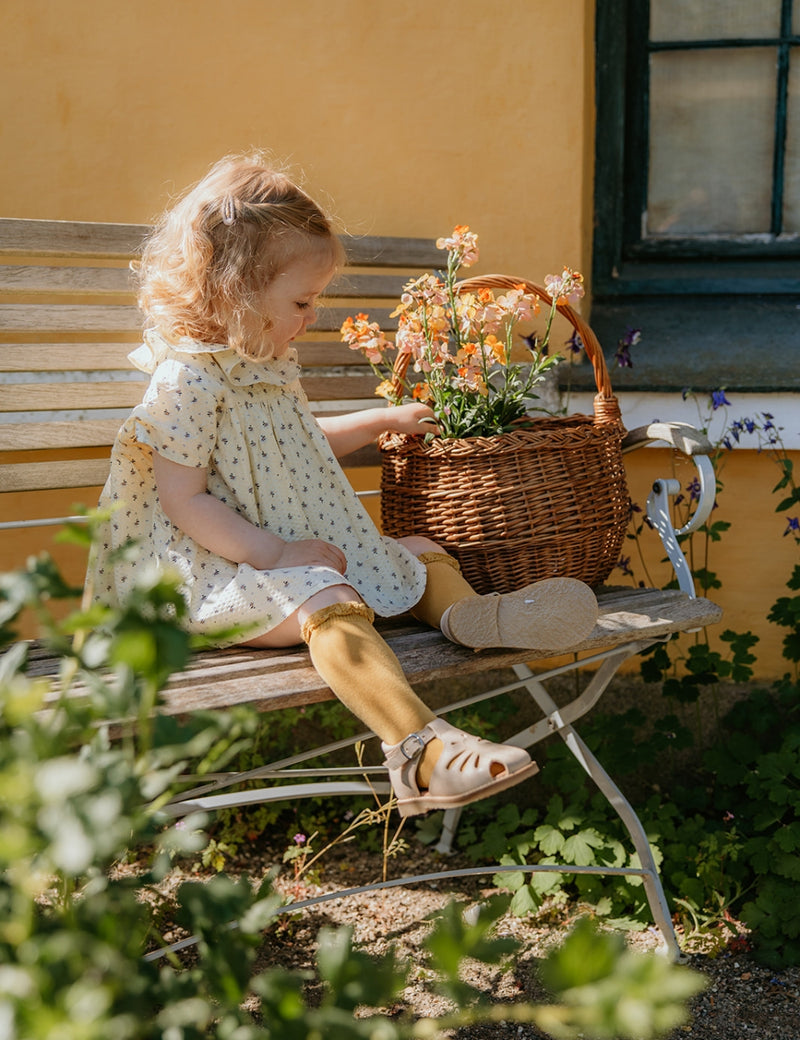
(184, 497)
(350, 432)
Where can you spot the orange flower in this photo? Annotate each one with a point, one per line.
(455, 340)
(462, 244)
(497, 348)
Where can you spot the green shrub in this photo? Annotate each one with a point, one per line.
(74, 933)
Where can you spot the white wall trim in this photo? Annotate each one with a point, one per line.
(640, 408)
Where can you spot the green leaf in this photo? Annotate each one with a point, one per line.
(525, 901)
(579, 848)
(352, 977)
(549, 839)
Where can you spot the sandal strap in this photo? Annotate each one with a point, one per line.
(410, 748)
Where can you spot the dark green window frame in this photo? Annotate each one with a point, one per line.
(704, 306)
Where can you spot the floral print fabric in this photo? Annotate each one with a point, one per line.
(250, 424)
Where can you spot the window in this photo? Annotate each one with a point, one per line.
(697, 181)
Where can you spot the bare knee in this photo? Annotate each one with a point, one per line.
(288, 632)
(418, 545)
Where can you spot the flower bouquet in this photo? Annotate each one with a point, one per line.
(458, 341)
(513, 495)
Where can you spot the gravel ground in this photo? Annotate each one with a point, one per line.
(742, 1000)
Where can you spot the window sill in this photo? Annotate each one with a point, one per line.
(745, 344)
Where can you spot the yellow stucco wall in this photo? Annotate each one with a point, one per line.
(752, 560)
(409, 117)
(404, 118)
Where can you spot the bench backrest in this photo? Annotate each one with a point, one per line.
(68, 320)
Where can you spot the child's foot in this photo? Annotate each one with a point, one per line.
(553, 614)
(468, 768)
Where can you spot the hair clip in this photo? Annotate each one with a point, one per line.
(228, 210)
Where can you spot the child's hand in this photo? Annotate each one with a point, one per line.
(311, 552)
(411, 418)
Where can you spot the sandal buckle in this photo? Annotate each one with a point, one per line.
(418, 749)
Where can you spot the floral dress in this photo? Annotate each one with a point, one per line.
(250, 424)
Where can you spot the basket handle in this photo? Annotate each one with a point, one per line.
(606, 406)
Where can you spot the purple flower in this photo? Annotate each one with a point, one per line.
(624, 564)
(623, 352)
(693, 487)
(299, 839)
(793, 526)
(574, 343)
(532, 343)
(718, 399)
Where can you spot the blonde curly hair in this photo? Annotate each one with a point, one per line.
(208, 260)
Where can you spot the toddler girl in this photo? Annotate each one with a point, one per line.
(224, 474)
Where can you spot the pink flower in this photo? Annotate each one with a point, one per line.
(463, 244)
(360, 333)
(567, 286)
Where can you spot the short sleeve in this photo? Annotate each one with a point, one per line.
(178, 416)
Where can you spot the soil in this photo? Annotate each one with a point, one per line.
(742, 1000)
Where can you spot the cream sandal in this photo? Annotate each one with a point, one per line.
(552, 614)
(461, 775)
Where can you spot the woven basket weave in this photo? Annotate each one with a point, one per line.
(544, 501)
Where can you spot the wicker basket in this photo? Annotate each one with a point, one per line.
(544, 501)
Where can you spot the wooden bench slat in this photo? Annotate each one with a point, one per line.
(65, 357)
(330, 353)
(366, 286)
(75, 473)
(86, 280)
(76, 317)
(33, 397)
(50, 476)
(384, 251)
(330, 319)
(96, 281)
(70, 238)
(341, 388)
(29, 397)
(113, 357)
(73, 238)
(69, 317)
(88, 433)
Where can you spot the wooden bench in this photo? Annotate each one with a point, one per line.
(68, 321)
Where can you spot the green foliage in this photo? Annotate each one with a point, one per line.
(786, 613)
(74, 932)
(727, 830)
(588, 979)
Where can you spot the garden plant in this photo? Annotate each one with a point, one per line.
(724, 818)
(82, 948)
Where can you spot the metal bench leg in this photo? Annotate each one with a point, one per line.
(650, 876)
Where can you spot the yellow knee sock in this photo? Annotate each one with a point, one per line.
(445, 586)
(365, 675)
